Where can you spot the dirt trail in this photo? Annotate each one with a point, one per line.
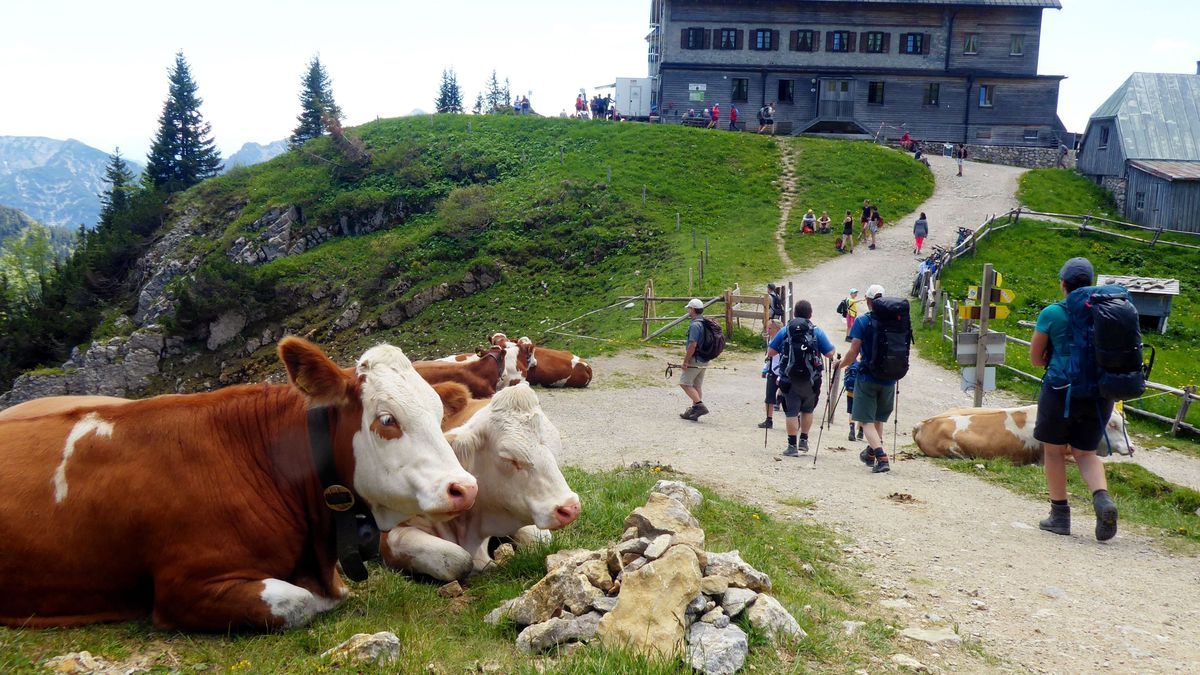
(787, 198)
(966, 552)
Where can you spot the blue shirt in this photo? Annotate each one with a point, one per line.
(823, 343)
(864, 329)
(1054, 323)
(696, 335)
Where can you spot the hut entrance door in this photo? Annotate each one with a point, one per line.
(837, 99)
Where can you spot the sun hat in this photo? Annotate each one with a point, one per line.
(695, 303)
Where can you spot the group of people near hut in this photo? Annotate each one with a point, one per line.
(871, 223)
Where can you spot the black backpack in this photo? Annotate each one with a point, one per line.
(890, 338)
(1106, 344)
(843, 306)
(712, 340)
(800, 360)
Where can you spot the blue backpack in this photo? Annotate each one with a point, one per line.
(1106, 345)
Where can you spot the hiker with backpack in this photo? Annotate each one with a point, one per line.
(705, 342)
(776, 294)
(882, 337)
(802, 348)
(1090, 345)
(770, 365)
(849, 378)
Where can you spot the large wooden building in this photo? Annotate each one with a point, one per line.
(962, 71)
(1143, 144)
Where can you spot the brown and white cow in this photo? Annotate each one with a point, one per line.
(207, 509)
(989, 433)
(511, 448)
(483, 376)
(551, 367)
(516, 362)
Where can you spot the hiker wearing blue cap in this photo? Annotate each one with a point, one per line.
(1068, 423)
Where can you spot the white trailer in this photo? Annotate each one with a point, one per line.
(633, 97)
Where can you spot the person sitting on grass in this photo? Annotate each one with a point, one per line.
(823, 222)
(808, 224)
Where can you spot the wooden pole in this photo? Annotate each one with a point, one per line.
(766, 310)
(646, 312)
(653, 301)
(791, 302)
(985, 304)
(610, 174)
(1189, 393)
(643, 195)
(690, 270)
(676, 322)
(700, 281)
(728, 312)
(676, 221)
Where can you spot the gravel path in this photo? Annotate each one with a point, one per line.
(965, 552)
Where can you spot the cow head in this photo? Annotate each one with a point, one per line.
(387, 433)
(1118, 439)
(511, 447)
(526, 346)
(498, 339)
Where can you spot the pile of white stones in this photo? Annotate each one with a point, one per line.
(657, 592)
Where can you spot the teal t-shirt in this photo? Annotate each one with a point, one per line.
(1053, 322)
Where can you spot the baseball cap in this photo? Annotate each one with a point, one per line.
(853, 291)
(874, 291)
(1077, 270)
(770, 287)
(695, 303)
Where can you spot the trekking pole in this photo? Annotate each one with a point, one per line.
(896, 420)
(828, 410)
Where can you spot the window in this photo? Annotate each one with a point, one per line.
(874, 43)
(693, 38)
(875, 93)
(787, 91)
(971, 43)
(983, 133)
(985, 95)
(741, 89)
(728, 39)
(1017, 46)
(839, 41)
(913, 43)
(933, 92)
(805, 41)
(1031, 134)
(1103, 138)
(1139, 201)
(762, 40)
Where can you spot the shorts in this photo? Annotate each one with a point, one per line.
(873, 402)
(772, 389)
(1083, 429)
(801, 397)
(693, 377)
(873, 226)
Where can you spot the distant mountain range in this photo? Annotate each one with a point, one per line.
(254, 153)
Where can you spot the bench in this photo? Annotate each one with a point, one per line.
(700, 122)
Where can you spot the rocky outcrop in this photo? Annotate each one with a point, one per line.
(475, 280)
(282, 232)
(159, 266)
(650, 616)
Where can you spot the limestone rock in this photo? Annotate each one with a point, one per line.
(714, 586)
(736, 571)
(667, 515)
(851, 627)
(630, 533)
(604, 604)
(716, 651)
(767, 615)
(503, 553)
(909, 663)
(571, 557)
(494, 617)
(450, 590)
(596, 572)
(658, 547)
(650, 615)
(380, 648)
(712, 615)
(225, 328)
(75, 662)
(563, 587)
(933, 636)
(687, 495)
(698, 605)
(544, 636)
(736, 599)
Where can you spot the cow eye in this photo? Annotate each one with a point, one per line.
(514, 463)
(387, 420)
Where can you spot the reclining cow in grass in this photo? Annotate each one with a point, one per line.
(216, 511)
(510, 446)
(989, 433)
(550, 367)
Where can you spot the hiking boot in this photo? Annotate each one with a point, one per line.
(871, 247)
(1106, 516)
(767, 424)
(867, 456)
(791, 451)
(701, 409)
(803, 445)
(1059, 521)
(860, 433)
(851, 436)
(689, 414)
(882, 466)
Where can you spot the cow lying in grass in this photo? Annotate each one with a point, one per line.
(517, 360)
(989, 433)
(550, 367)
(510, 446)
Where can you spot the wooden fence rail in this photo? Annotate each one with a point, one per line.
(731, 300)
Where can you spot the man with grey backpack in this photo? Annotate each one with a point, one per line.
(802, 348)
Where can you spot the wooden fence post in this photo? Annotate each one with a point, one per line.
(646, 312)
(766, 311)
(676, 221)
(700, 280)
(728, 312)
(653, 302)
(1189, 392)
(791, 303)
(643, 195)
(610, 174)
(690, 271)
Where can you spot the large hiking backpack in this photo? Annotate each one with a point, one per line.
(800, 360)
(712, 341)
(890, 338)
(1106, 344)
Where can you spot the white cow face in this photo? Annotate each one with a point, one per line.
(1114, 431)
(511, 447)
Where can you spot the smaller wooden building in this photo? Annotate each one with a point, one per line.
(1152, 297)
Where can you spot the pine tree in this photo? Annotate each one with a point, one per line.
(494, 96)
(316, 99)
(449, 98)
(183, 152)
(478, 109)
(115, 199)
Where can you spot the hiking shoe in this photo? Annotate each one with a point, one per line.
(867, 456)
(882, 466)
(689, 414)
(1106, 516)
(700, 409)
(851, 436)
(791, 451)
(871, 247)
(860, 433)
(803, 445)
(1059, 521)
(767, 424)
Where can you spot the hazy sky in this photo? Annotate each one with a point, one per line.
(96, 71)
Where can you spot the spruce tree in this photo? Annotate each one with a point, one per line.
(183, 152)
(316, 99)
(449, 98)
(478, 109)
(115, 199)
(494, 95)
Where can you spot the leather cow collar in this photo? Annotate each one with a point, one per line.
(357, 537)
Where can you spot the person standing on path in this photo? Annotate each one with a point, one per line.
(874, 399)
(776, 294)
(960, 153)
(852, 310)
(920, 231)
(803, 345)
(872, 225)
(768, 372)
(848, 233)
(1069, 424)
(691, 380)
(733, 113)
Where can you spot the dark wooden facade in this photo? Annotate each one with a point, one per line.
(866, 67)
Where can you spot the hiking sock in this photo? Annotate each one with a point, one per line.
(1106, 515)
(791, 439)
(1059, 521)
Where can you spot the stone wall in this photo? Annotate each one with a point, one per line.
(1028, 157)
(1116, 185)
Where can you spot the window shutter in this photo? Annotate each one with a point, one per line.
(887, 43)
(862, 42)
(816, 41)
(925, 44)
(708, 42)
(829, 41)
(683, 43)
(739, 38)
(794, 40)
(774, 40)
(852, 42)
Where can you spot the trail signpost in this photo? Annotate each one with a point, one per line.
(983, 348)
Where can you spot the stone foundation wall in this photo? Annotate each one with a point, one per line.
(1030, 158)
(1116, 185)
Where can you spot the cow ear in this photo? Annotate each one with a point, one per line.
(455, 398)
(314, 373)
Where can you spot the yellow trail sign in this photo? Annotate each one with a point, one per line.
(974, 312)
(1001, 295)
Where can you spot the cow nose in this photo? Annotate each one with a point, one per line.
(567, 513)
(461, 496)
